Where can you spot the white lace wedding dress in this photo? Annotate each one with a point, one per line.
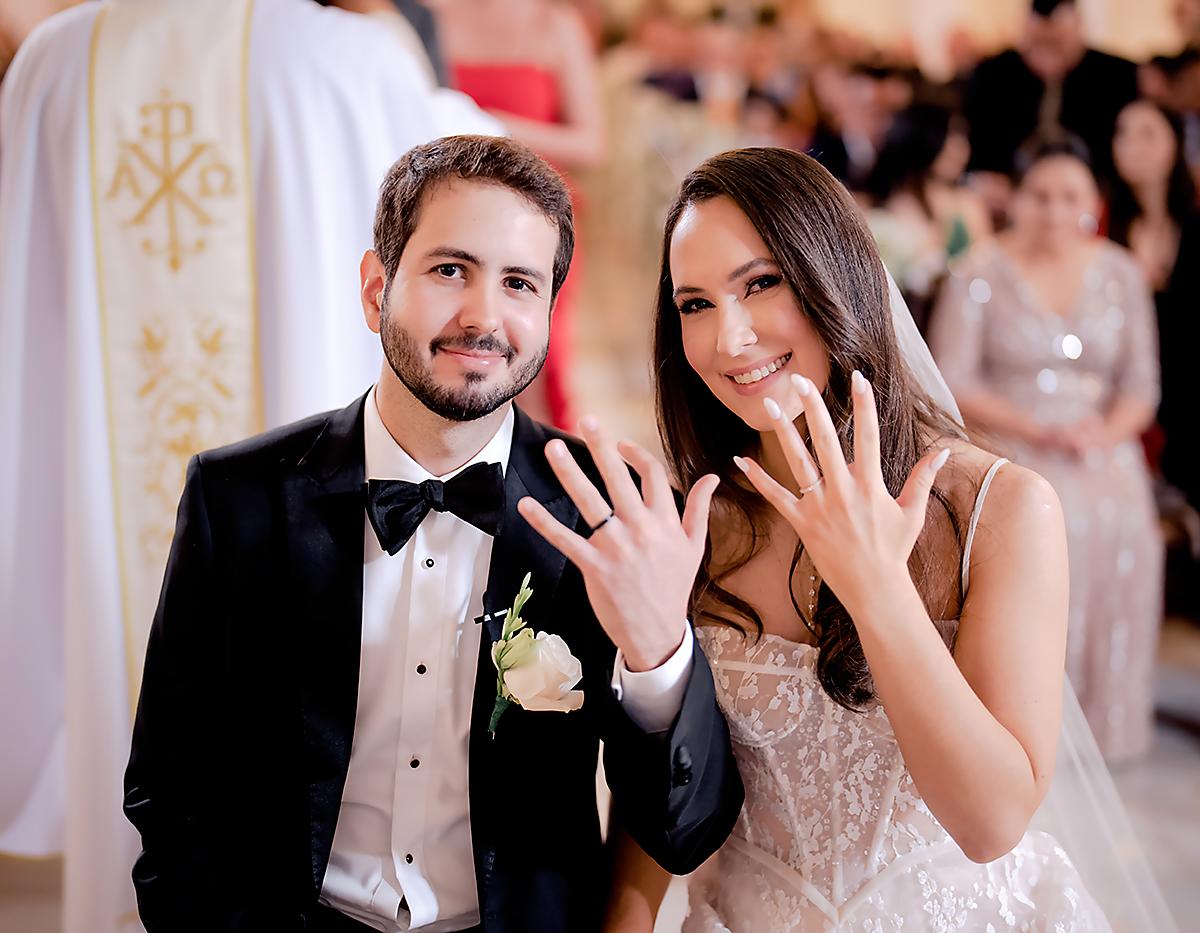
(834, 835)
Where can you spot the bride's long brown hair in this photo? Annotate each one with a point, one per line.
(825, 253)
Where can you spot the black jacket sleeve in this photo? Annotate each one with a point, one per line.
(679, 792)
(175, 879)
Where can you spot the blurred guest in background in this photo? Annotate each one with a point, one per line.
(1153, 211)
(857, 102)
(764, 120)
(1050, 81)
(922, 216)
(657, 47)
(1174, 81)
(1047, 339)
(719, 64)
(774, 72)
(964, 54)
(532, 65)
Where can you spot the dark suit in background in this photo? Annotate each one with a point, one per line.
(1004, 101)
(1179, 336)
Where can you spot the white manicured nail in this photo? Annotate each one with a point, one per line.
(801, 384)
(858, 383)
(741, 464)
(772, 408)
(940, 460)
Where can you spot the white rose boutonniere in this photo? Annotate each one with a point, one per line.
(536, 671)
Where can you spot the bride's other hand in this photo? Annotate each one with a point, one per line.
(858, 536)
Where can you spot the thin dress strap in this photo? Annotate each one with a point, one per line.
(974, 523)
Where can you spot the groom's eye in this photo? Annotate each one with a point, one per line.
(448, 270)
(518, 285)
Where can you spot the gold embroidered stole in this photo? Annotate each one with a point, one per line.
(175, 267)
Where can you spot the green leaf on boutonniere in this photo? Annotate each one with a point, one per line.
(512, 619)
(514, 646)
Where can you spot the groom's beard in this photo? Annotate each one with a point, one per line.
(460, 403)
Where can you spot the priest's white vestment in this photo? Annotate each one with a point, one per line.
(330, 101)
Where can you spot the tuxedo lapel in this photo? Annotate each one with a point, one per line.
(323, 501)
(517, 550)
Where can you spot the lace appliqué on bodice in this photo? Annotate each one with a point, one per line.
(833, 834)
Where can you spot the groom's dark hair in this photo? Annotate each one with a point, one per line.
(496, 160)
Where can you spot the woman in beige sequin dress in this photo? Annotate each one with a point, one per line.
(1048, 340)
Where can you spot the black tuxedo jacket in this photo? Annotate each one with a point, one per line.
(246, 719)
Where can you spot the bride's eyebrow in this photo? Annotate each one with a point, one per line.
(733, 276)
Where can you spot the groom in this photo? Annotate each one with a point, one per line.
(311, 749)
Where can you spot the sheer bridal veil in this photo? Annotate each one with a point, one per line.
(1082, 810)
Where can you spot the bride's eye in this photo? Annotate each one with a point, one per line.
(691, 306)
(762, 283)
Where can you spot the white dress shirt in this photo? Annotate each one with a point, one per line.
(402, 857)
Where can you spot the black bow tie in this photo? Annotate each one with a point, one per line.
(395, 507)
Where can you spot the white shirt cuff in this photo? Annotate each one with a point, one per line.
(653, 698)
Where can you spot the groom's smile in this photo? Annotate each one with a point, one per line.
(482, 354)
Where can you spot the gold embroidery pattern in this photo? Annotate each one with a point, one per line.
(184, 174)
(175, 272)
(185, 404)
(173, 224)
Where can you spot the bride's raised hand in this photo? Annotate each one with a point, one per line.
(858, 536)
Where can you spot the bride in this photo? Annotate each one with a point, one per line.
(883, 604)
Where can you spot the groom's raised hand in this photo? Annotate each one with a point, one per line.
(640, 561)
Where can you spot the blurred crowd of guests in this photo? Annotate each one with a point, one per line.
(1037, 207)
(1038, 210)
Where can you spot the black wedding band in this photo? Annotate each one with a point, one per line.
(600, 524)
